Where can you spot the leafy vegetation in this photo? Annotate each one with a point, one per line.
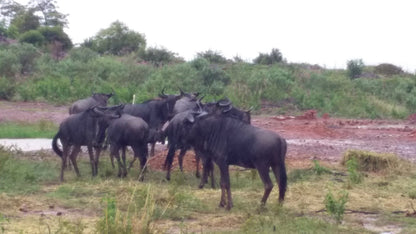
(336, 207)
(41, 64)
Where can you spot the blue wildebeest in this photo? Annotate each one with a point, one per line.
(130, 131)
(176, 134)
(155, 112)
(186, 102)
(97, 99)
(78, 130)
(228, 141)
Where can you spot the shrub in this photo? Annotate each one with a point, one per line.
(355, 68)
(354, 176)
(388, 69)
(7, 88)
(371, 161)
(334, 207)
(33, 37)
(275, 56)
(9, 63)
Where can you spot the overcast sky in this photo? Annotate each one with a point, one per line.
(324, 32)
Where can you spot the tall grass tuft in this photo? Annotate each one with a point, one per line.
(371, 161)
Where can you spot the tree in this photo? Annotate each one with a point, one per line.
(9, 9)
(212, 57)
(355, 68)
(50, 15)
(25, 21)
(118, 39)
(267, 59)
(158, 57)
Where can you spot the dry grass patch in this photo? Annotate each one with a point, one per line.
(372, 161)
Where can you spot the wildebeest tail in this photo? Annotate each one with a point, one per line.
(55, 145)
(282, 170)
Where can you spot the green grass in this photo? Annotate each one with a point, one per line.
(41, 129)
(32, 200)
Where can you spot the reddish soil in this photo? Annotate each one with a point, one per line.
(309, 136)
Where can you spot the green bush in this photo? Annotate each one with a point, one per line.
(7, 88)
(355, 68)
(9, 63)
(33, 37)
(336, 207)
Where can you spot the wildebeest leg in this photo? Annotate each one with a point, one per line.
(152, 149)
(281, 177)
(180, 158)
(141, 152)
(264, 175)
(97, 158)
(115, 152)
(169, 160)
(197, 160)
(112, 160)
(225, 186)
(207, 171)
(65, 150)
(123, 157)
(73, 157)
(92, 160)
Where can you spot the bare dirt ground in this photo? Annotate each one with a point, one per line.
(309, 136)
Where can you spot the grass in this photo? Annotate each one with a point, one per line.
(107, 204)
(41, 129)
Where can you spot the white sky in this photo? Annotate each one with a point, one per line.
(324, 32)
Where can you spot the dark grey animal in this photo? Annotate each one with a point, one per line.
(126, 131)
(176, 135)
(186, 102)
(155, 112)
(80, 130)
(97, 99)
(228, 141)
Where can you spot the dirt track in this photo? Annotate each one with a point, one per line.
(309, 137)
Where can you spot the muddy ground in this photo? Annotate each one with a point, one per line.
(309, 136)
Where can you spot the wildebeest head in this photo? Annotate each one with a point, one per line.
(102, 98)
(168, 104)
(225, 107)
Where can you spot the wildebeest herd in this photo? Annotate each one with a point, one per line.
(217, 131)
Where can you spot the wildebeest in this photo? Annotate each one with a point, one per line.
(155, 112)
(186, 102)
(176, 134)
(228, 141)
(97, 99)
(78, 130)
(126, 131)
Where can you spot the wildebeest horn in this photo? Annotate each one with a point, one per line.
(200, 99)
(162, 94)
(249, 109)
(228, 109)
(182, 92)
(225, 102)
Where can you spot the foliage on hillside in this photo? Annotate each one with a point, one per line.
(27, 74)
